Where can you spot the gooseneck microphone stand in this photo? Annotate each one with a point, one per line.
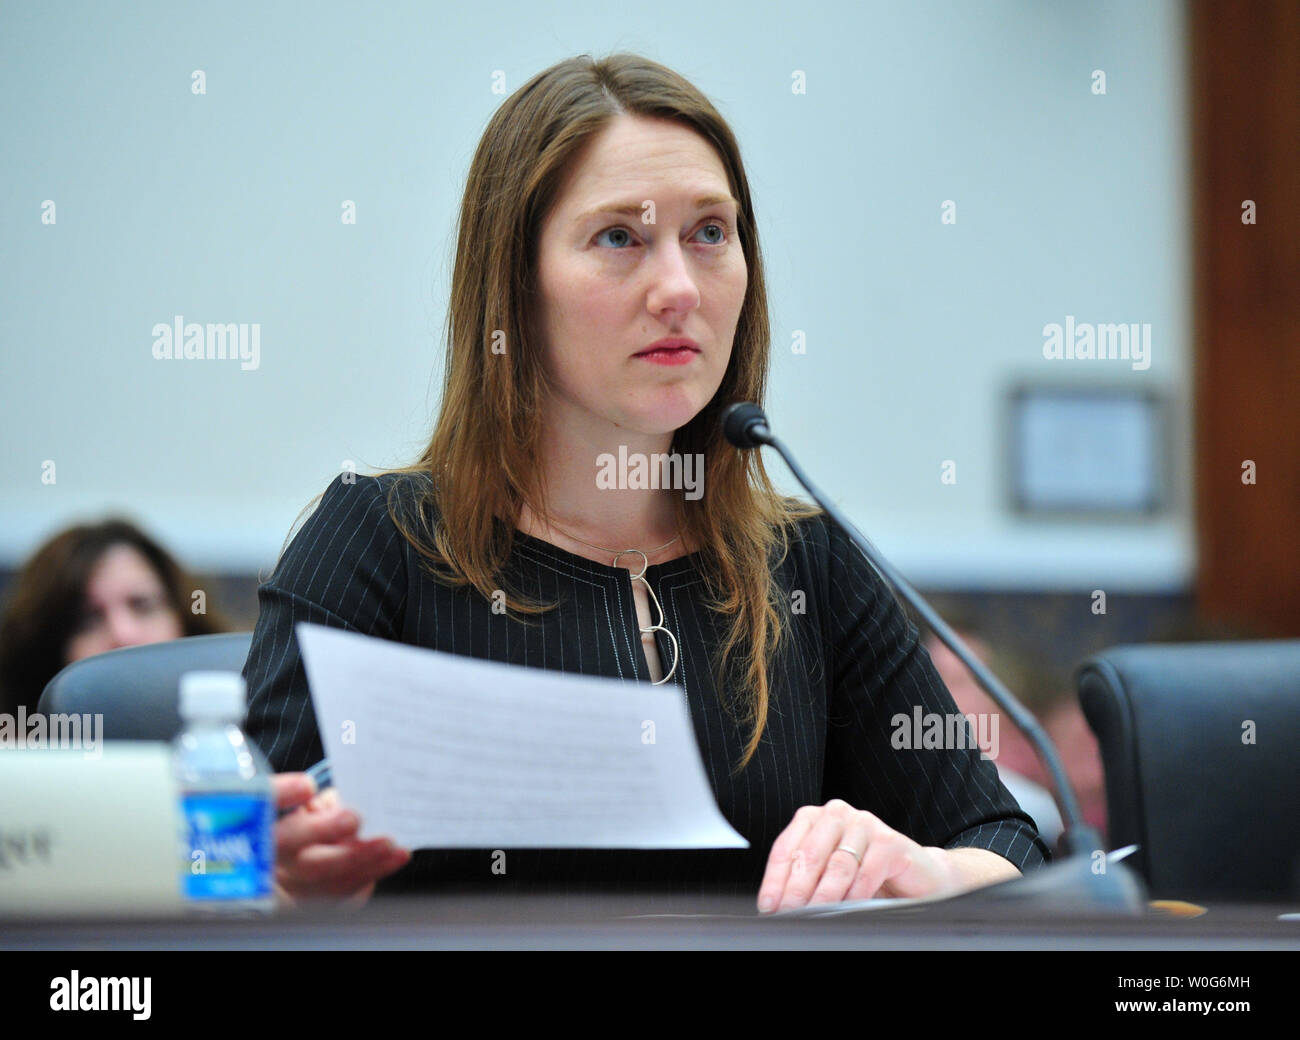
(1082, 881)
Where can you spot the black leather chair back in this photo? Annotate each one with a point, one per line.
(1201, 747)
(136, 688)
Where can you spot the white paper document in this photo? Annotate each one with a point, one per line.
(438, 750)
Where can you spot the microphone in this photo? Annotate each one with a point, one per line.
(1115, 887)
(745, 425)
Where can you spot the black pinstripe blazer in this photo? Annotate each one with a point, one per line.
(854, 665)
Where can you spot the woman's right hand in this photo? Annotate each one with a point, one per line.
(317, 852)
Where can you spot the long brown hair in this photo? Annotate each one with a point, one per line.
(484, 452)
(49, 596)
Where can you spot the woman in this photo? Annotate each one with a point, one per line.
(608, 302)
(90, 589)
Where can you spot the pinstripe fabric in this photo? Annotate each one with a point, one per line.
(854, 663)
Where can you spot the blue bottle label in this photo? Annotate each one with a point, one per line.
(229, 848)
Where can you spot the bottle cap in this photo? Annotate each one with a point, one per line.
(213, 695)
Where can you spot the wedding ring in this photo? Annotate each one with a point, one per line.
(851, 852)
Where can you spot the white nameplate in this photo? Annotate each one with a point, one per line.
(89, 834)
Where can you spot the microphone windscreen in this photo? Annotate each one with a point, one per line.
(739, 419)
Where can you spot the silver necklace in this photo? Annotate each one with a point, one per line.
(639, 576)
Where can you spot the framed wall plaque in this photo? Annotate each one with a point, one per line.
(1095, 451)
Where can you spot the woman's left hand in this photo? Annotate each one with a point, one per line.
(809, 862)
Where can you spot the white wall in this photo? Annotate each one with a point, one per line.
(225, 208)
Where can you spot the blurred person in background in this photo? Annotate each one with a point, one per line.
(89, 589)
(1018, 764)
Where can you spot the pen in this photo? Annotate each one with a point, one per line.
(323, 776)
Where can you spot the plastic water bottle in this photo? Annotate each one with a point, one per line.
(227, 810)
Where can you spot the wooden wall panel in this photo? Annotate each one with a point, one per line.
(1244, 68)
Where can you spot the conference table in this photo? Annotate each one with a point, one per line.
(596, 921)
